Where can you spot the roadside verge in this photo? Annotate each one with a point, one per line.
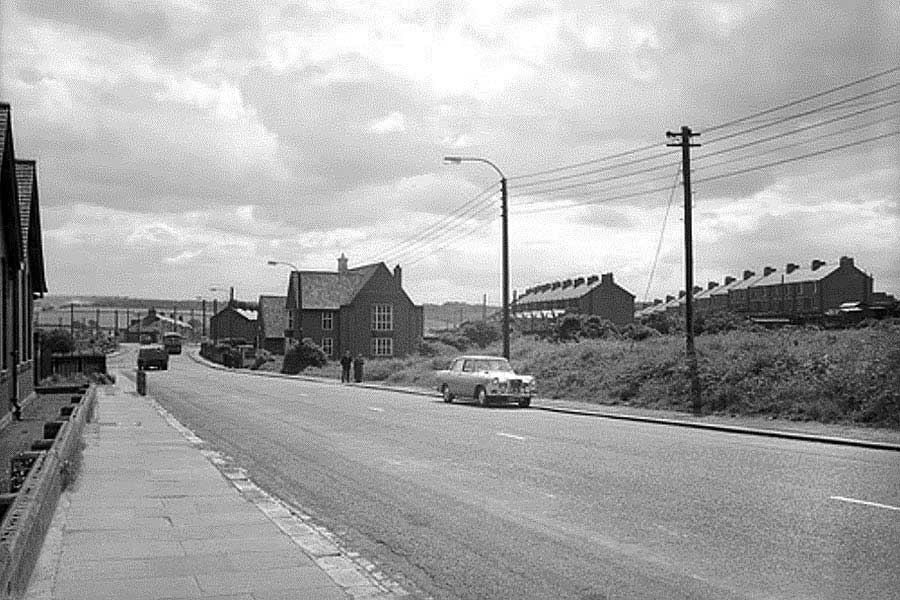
(596, 410)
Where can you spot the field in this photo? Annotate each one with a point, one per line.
(849, 376)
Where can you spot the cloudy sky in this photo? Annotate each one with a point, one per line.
(182, 144)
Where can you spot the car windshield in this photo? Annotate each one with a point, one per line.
(493, 364)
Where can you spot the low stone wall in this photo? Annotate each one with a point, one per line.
(28, 518)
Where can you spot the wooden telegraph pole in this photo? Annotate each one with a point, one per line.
(684, 142)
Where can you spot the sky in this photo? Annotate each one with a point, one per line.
(183, 144)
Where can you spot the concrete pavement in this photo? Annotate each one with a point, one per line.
(151, 516)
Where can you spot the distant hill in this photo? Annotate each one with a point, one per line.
(437, 316)
(450, 314)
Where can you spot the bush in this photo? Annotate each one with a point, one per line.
(303, 355)
(56, 340)
(480, 333)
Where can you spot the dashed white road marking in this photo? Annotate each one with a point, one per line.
(511, 436)
(375, 409)
(864, 502)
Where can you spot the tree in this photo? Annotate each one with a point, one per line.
(305, 354)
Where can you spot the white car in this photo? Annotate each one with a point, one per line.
(485, 379)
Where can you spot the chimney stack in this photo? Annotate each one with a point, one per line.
(768, 271)
(697, 289)
(681, 293)
(748, 275)
(712, 285)
(592, 280)
(816, 263)
(578, 281)
(398, 276)
(729, 280)
(846, 261)
(607, 278)
(556, 285)
(567, 283)
(669, 298)
(790, 268)
(342, 264)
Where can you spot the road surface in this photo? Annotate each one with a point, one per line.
(460, 502)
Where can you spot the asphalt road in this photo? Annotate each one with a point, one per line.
(456, 501)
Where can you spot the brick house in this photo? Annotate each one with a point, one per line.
(238, 320)
(801, 291)
(22, 270)
(796, 292)
(590, 296)
(363, 310)
(272, 322)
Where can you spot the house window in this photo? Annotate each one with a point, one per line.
(328, 346)
(383, 317)
(382, 346)
(327, 321)
(290, 319)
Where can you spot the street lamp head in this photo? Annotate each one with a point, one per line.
(453, 160)
(272, 263)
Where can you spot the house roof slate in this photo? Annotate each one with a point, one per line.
(568, 293)
(800, 275)
(273, 313)
(329, 290)
(4, 127)
(25, 183)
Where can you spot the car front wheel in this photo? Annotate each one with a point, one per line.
(445, 391)
(481, 397)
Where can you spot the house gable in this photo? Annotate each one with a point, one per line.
(9, 204)
(29, 210)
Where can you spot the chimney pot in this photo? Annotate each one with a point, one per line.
(816, 263)
(768, 271)
(712, 284)
(748, 274)
(342, 263)
(790, 268)
(729, 280)
(398, 276)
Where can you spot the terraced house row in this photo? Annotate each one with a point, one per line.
(795, 291)
(22, 276)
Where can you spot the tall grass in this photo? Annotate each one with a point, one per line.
(850, 376)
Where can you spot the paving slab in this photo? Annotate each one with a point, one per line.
(150, 517)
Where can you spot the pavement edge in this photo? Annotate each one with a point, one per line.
(357, 576)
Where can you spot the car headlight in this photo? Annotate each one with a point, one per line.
(495, 382)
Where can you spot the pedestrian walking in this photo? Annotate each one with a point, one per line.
(346, 361)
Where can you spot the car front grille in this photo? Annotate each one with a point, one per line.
(515, 385)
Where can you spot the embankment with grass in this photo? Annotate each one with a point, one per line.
(849, 376)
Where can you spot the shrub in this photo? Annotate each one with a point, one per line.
(480, 333)
(451, 338)
(303, 355)
(56, 340)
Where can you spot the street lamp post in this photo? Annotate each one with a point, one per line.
(298, 330)
(504, 214)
